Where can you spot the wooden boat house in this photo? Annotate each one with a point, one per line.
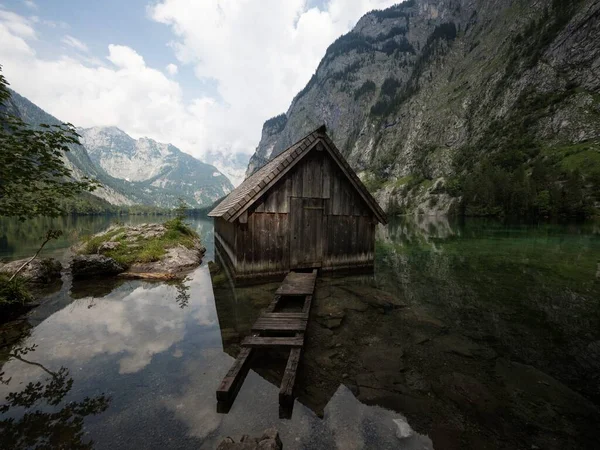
(306, 208)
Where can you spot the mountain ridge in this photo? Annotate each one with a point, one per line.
(120, 192)
(160, 169)
(429, 98)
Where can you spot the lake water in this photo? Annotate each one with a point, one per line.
(476, 334)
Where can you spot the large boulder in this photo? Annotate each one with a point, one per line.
(84, 266)
(42, 271)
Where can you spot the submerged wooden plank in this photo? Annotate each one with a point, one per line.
(285, 315)
(306, 306)
(297, 284)
(228, 387)
(262, 341)
(286, 391)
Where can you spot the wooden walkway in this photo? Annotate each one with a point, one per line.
(265, 335)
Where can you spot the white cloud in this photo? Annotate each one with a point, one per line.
(125, 58)
(172, 69)
(75, 43)
(17, 25)
(30, 4)
(261, 53)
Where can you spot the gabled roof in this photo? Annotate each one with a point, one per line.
(253, 187)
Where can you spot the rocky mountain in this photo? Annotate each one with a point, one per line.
(475, 106)
(161, 172)
(142, 172)
(233, 165)
(77, 159)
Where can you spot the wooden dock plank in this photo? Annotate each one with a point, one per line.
(261, 341)
(282, 315)
(306, 306)
(286, 391)
(279, 327)
(235, 376)
(297, 284)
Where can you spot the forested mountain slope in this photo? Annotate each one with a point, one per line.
(471, 106)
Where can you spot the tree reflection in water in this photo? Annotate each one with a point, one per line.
(183, 295)
(40, 426)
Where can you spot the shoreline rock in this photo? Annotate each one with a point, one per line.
(83, 266)
(38, 271)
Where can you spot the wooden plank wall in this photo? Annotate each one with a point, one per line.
(263, 244)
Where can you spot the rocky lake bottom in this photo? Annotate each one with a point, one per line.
(469, 334)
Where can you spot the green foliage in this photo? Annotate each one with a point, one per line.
(510, 172)
(367, 88)
(373, 182)
(402, 46)
(391, 97)
(33, 177)
(92, 244)
(13, 292)
(394, 12)
(542, 191)
(527, 47)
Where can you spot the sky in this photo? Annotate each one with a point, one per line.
(202, 75)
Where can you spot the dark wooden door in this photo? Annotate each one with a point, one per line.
(307, 228)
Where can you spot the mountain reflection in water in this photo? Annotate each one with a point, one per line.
(478, 335)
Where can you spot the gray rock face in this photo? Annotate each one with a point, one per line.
(45, 270)
(161, 171)
(412, 85)
(84, 266)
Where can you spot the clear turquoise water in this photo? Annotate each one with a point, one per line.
(496, 344)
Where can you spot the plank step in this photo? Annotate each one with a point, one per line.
(286, 391)
(266, 324)
(297, 284)
(259, 341)
(228, 387)
(284, 315)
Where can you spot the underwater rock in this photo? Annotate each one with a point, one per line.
(268, 441)
(403, 429)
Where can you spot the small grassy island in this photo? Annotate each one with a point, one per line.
(159, 251)
(143, 244)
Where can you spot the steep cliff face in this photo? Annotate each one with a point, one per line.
(422, 97)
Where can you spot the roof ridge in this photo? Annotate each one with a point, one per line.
(242, 196)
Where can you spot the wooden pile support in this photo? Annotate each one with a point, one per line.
(265, 335)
